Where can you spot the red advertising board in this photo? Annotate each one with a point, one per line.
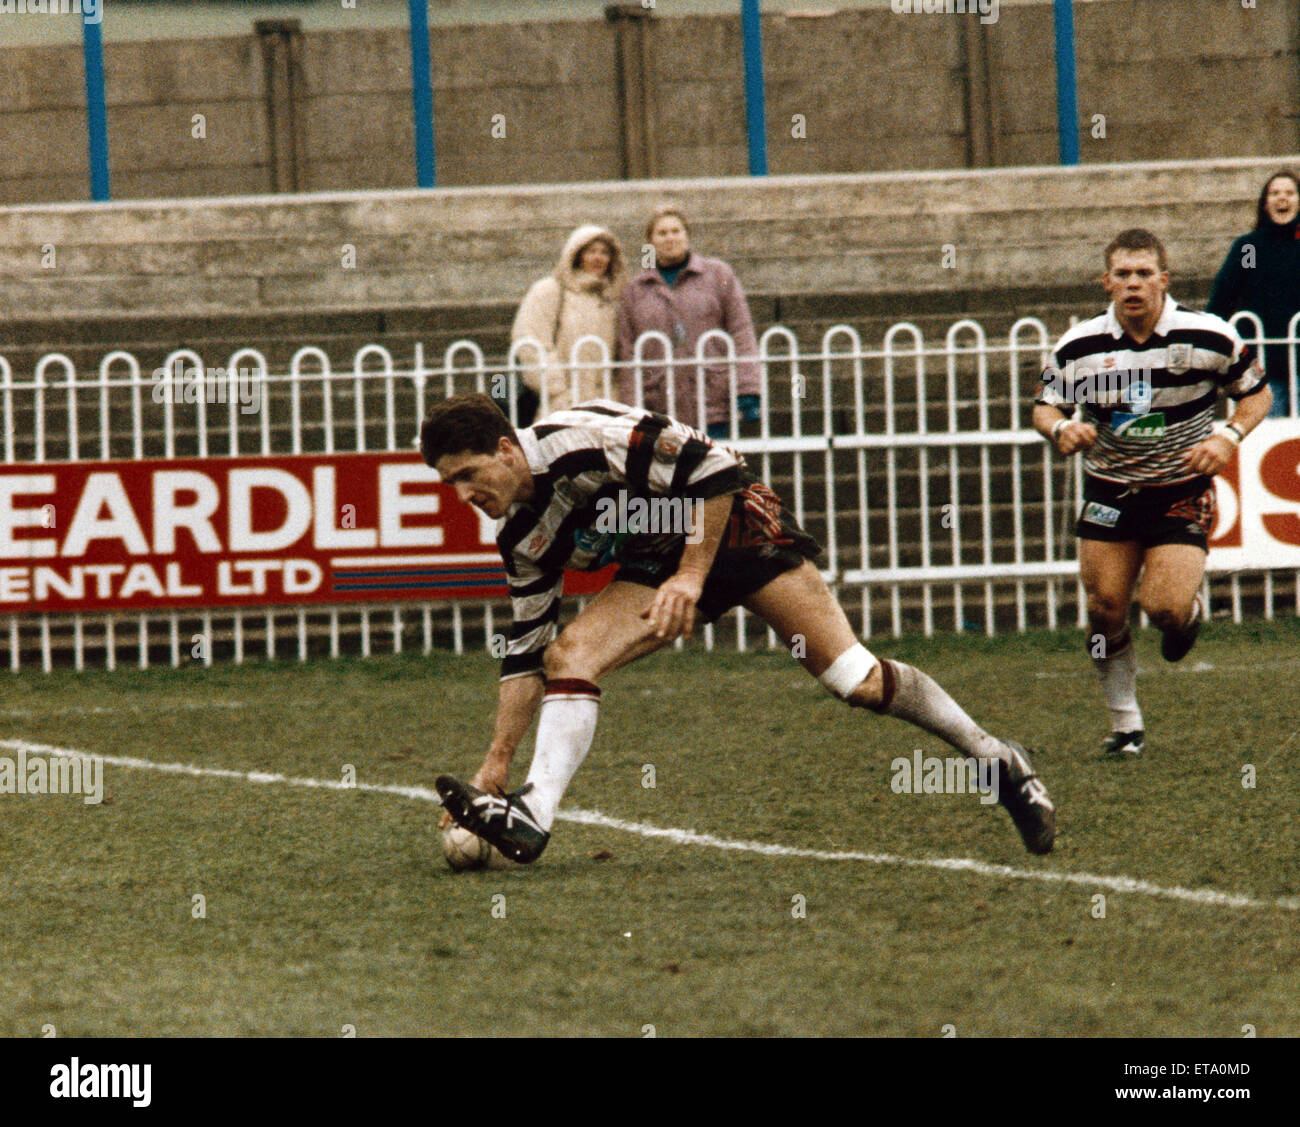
(213, 532)
(1258, 523)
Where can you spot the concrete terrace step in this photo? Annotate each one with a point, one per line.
(341, 333)
(888, 234)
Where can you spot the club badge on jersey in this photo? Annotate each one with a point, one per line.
(1178, 359)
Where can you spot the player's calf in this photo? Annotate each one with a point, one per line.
(894, 688)
(1115, 660)
(1179, 631)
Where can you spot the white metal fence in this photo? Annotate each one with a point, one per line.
(913, 462)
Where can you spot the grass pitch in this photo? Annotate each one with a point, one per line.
(328, 908)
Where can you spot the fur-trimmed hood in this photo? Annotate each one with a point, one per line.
(571, 277)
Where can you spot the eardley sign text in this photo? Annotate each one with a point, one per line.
(213, 532)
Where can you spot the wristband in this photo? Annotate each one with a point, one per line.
(1232, 433)
(1056, 430)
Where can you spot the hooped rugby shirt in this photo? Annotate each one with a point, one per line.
(1153, 402)
(579, 458)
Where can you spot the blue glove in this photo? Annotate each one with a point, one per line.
(750, 408)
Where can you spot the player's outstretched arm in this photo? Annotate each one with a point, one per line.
(518, 699)
(1068, 435)
(517, 702)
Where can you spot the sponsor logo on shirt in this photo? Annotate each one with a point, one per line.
(1147, 426)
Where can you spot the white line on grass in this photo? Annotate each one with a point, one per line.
(420, 794)
(158, 706)
(1160, 668)
(1209, 896)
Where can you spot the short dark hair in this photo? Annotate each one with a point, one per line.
(1262, 220)
(1137, 238)
(464, 424)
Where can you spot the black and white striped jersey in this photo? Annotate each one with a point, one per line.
(582, 459)
(1152, 402)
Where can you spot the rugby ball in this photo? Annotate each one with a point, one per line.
(464, 850)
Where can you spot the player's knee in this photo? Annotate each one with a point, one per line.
(855, 677)
(1106, 611)
(1165, 617)
(562, 657)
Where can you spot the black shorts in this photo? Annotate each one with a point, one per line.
(762, 541)
(1148, 514)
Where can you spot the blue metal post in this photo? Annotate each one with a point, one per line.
(755, 115)
(92, 46)
(1067, 109)
(422, 94)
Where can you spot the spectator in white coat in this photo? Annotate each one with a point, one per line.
(580, 297)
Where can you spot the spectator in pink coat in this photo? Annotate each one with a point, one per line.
(684, 295)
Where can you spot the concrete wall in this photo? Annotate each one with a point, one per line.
(874, 233)
(153, 90)
(874, 90)
(1173, 78)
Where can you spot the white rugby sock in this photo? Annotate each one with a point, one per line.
(1117, 671)
(917, 698)
(565, 728)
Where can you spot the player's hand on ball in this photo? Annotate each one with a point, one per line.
(673, 610)
(492, 776)
(1211, 455)
(1076, 436)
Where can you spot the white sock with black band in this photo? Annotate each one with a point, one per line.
(917, 698)
(566, 726)
(1117, 670)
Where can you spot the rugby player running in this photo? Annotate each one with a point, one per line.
(1135, 390)
(549, 484)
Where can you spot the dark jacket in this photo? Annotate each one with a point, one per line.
(1270, 289)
